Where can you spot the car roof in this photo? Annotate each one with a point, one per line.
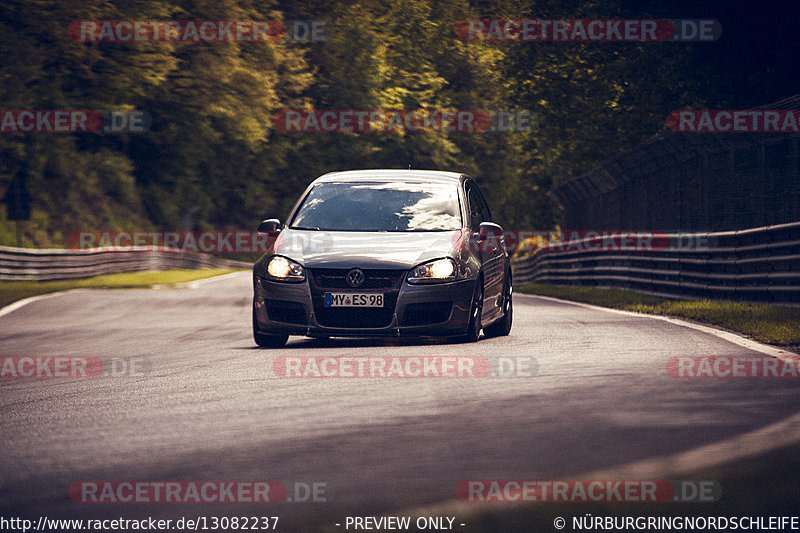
(385, 174)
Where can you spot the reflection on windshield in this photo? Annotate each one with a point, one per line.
(380, 207)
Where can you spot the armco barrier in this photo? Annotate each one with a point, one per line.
(759, 264)
(48, 265)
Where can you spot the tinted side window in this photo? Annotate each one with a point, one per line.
(484, 207)
(475, 214)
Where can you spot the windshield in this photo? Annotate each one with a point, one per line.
(380, 206)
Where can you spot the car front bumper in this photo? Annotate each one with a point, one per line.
(409, 310)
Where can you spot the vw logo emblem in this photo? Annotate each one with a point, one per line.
(355, 278)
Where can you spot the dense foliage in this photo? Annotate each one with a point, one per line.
(212, 159)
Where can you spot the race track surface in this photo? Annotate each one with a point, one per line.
(206, 404)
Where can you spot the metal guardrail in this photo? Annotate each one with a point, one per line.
(759, 264)
(56, 264)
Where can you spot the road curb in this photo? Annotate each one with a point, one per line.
(729, 336)
(10, 308)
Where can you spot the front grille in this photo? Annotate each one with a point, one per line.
(335, 278)
(421, 314)
(287, 312)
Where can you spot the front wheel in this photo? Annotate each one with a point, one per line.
(475, 314)
(267, 341)
(502, 327)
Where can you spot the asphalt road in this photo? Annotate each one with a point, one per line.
(207, 405)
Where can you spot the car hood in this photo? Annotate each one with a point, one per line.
(348, 249)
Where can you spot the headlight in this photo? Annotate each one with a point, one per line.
(281, 269)
(438, 271)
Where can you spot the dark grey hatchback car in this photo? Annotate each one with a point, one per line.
(384, 253)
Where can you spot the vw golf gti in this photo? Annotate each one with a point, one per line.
(384, 253)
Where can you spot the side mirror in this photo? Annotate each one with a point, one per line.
(489, 229)
(269, 226)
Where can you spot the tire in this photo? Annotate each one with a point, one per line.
(267, 341)
(502, 327)
(475, 314)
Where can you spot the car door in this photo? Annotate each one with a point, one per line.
(490, 252)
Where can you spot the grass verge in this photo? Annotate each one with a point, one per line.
(768, 323)
(11, 291)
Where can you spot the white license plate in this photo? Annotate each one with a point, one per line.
(353, 299)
